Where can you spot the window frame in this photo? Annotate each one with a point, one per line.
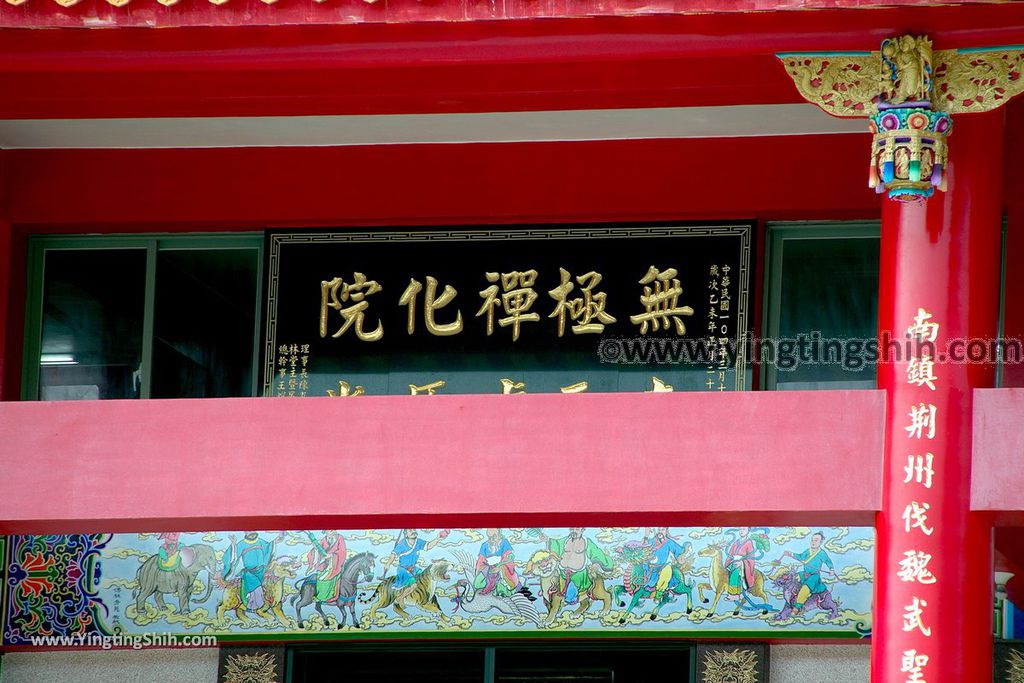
(1000, 324)
(776, 235)
(38, 245)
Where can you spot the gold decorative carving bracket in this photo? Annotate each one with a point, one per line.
(908, 92)
(962, 80)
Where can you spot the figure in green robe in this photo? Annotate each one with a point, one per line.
(814, 560)
(250, 558)
(576, 554)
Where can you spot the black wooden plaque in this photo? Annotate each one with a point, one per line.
(711, 262)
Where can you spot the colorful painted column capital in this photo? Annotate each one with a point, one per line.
(908, 92)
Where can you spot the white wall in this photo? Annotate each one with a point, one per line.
(195, 665)
(818, 663)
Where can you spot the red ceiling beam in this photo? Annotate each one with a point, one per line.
(148, 13)
(443, 66)
(624, 180)
(605, 83)
(683, 458)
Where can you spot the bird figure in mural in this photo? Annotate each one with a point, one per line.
(473, 601)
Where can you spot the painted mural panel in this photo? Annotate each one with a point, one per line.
(772, 582)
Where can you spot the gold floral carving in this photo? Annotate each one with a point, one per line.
(255, 668)
(67, 3)
(842, 85)
(16, 2)
(955, 81)
(969, 81)
(730, 666)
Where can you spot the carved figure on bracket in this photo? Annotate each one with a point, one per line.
(906, 69)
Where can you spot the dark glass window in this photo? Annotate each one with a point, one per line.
(142, 317)
(463, 665)
(823, 307)
(204, 323)
(561, 662)
(91, 339)
(567, 664)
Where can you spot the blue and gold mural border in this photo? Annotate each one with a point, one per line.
(51, 588)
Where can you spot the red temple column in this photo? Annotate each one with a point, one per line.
(940, 264)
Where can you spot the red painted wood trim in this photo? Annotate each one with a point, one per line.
(785, 457)
(10, 346)
(630, 180)
(997, 478)
(445, 66)
(12, 292)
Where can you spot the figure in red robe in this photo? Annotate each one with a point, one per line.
(740, 564)
(327, 558)
(496, 566)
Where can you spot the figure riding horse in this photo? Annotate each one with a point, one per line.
(637, 556)
(357, 568)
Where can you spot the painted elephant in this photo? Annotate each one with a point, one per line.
(153, 580)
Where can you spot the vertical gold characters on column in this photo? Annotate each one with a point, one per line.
(919, 477)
